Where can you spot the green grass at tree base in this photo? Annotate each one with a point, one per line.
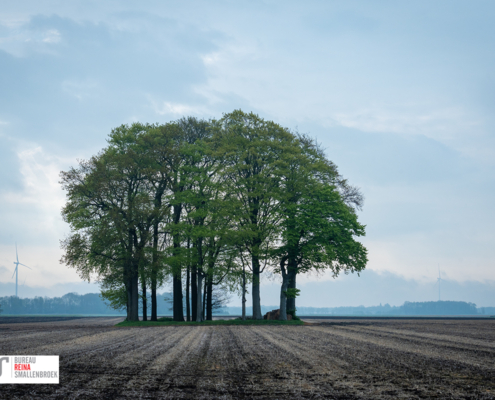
(215, 322)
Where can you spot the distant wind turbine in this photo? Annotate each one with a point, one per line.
(439, 281)
(16, 271)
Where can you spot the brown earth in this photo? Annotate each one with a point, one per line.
(336, 359)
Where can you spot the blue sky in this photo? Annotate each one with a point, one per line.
(401, 94)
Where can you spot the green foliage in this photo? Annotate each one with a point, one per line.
(317, 213)
(292, 293)
(165, 319)
(210, 195)
(294, 316)
(116, 297)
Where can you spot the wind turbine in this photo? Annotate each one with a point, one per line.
(439, 281)
(16, 271)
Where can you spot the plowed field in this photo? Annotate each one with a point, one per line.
(336, 359)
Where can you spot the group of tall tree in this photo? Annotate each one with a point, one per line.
(208, 203)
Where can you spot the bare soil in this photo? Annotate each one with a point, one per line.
(337, 359)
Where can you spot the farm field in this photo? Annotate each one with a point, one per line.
(332, 359)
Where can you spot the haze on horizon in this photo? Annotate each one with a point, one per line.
(401, 95)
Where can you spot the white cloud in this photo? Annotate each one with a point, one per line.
(51, 36)
(43, 261)
(170, 108)
(18, 39)
(441, 124)
(33, 218)
(271, 78)
(41, 175)
(80, 89)
(174, 110)
(35, 210)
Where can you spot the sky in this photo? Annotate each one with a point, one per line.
(400, 94)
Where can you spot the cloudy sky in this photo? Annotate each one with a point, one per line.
(401, 95)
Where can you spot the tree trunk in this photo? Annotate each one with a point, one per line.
(283, 293)
(209, 303)
(256, 288)
(243, 293)
(131, 275)
(199, 298)
(154, 272)
(154, 316)
(188, 305)
(144, 300)
(291, 303)
(178, 299)
(134, 296)
(204, 301)
(177, 271)
(128, 292)
(194, 293)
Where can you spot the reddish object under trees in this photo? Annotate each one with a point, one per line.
(275, 314)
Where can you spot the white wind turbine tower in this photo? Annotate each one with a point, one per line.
(16, 271)
(439, 281)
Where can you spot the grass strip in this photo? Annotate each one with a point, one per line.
(208, 323)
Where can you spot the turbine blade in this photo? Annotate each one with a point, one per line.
(25, 266)
(15, 270)
(16, 256)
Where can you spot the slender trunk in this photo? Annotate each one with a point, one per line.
(154, 273)
(144, 300)
(199, 297)
(125, 279)
(154, 316)
(256, 288)
(134, 296)
(204, 301)
(177, 270)
(128, 302)
(291, 302)
(188, 280)
(194, 293)
(293, 251)
(283, 292)
(209, 303)
(132, 275)
(188, 305)
(154, 262)
(178, 299)
(200, 274)
(243, 293)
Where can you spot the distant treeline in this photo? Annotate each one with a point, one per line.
(85, 304)
(93, 304)
(71, 303)
(408, 308)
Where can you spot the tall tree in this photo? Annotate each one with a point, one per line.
(319, 223)
(201, 202)
(159, 150)
(183, 162)
(252, 148)
(108, 211)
